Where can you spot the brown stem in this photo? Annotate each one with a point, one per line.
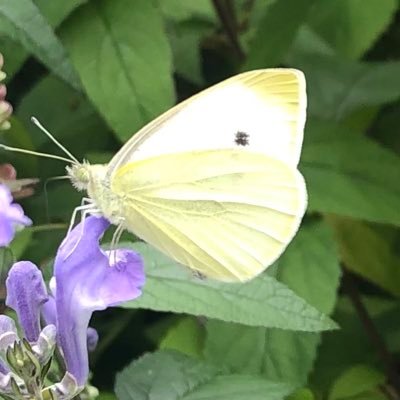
(226, 14)
(372, 332)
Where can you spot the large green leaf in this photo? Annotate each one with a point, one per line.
(349, 174)
(122, 55)
(23, 22)
(336, 87)
(310, 267)
(173, 376)
(352, 26)
(276, 31)
(260, 302)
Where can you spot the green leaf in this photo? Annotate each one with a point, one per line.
(57, 11)
(185, 40)
(352, 26)
(174, 376)
(310, 267)
(14, 56)
(122, 55)
(355, 381)
(260, 302)
(18, 136)
(342, 349)
(275, 32)
(349, 174)
(23, 23)
(178, 10)
(336, 87)
(369, 252)
(68, 115)
(6, 261)
(186, 336)
(302, 394)
(21, 242)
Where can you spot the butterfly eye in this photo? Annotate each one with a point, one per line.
(242, 138)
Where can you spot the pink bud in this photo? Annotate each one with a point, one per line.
(3, 92)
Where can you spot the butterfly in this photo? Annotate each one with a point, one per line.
(213, 182)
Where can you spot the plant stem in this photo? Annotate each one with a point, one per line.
(226, 14)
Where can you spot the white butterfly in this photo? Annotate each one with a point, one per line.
(213, 182)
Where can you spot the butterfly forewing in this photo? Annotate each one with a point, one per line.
(262, 110)
(225, 213)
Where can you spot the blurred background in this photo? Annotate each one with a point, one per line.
(94, 72)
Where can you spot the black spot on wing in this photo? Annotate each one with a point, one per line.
(242, 138)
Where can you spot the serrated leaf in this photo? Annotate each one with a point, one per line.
(349, 174)
(23, 23)
(352, 26)
(310, 267)
(336, 87)
(123, 58)
(173, 376)
(260, 302)
(275, 32)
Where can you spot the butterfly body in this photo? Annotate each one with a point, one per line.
(212, 183)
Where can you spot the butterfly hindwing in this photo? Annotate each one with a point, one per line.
(225, 213)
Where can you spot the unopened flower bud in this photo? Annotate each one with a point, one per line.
(44, 347)
(23, 361)
(66, 389)
(5, 107)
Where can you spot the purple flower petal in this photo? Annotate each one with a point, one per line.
(10, 216)
(26, 292)
(92, 339)
(86, 281)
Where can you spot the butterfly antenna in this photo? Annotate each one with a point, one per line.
(53, 139)
(36, 153)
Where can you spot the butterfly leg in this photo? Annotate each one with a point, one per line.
(86, 210)
(114, 242)
(82, 207)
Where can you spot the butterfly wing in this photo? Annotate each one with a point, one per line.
(225, 213)
(262, 110)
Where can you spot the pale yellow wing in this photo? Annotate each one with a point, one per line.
(225, 213)
(267, 106)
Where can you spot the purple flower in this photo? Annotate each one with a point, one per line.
(11, 215)
(26, 292)
(87, 280)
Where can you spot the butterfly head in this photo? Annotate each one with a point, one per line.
(79, 175)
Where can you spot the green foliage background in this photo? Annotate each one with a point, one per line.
(95, 71)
